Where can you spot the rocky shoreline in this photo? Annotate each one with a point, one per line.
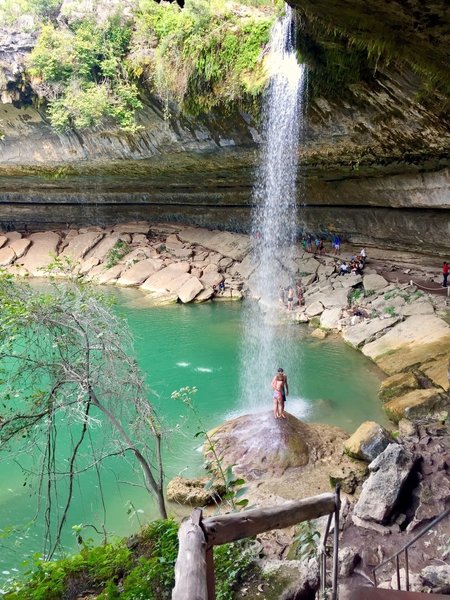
(402, 329)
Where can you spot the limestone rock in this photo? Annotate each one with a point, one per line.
(41, 253)
(351, 280)
(103, 247)
(193, 492)
(318, 333)
(260, 445)
(349, 477)
(397, 385)
(20, 246)
(361, 333)
(87, 265)
(437, 577)
(110, 275)
(374, 282)
(12, 236)
(7, 256)
(234, 245)
(140, 254)
(173, 241)
(335, 298)
(308, 279)
(182, 253)
(139, 239)
(438, 371)
(80, 245)
(164, 279)
(348, 559)
(368, 441)
(229, 295)
(330, 317)
(417, 403)
(301, 317)
(211, 278)
(161, 298)
(139, 272)
(204, 295)
(417, 308)
(414, 331)
(381, 491)
(189, 290)
(309, 266)
(314, 309)
(3, 240)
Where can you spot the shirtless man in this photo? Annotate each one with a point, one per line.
(281, 390)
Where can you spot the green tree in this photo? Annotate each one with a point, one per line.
(66, 361)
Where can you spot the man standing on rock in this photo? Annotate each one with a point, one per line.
(281, 390)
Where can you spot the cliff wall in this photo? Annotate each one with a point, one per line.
(374, 165)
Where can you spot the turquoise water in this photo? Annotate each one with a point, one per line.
(192, 345)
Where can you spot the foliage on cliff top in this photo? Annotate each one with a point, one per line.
(80, 70)
(142, 567)
(207, 55)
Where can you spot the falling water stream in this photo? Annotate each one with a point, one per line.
(274, 219)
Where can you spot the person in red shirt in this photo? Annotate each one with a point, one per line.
(445, 269)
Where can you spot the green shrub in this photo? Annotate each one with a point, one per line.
(83, 69)
(145, 573)
(207, 55)
(390, 310)
(117, 252)
(355, 295)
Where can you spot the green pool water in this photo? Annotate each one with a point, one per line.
(192, 345)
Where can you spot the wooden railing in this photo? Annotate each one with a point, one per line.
(194, 569)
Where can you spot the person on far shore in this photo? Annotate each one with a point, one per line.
(343, 269)
(337, 245)
(281, 296)
(290, 298)
(281, 390)
(445, 270)
(309, 243)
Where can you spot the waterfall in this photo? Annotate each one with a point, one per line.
(274, 218)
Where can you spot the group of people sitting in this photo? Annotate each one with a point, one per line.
(286, 296)
(355, 264)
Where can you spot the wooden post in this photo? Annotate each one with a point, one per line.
(337, 508)
(190, 568)
(210, 576)
(236, 526)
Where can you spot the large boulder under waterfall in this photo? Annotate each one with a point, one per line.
(258, 445)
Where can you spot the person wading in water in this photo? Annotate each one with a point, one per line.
(281, 390)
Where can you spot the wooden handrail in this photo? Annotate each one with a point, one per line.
(193, 569)
(236, 526)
